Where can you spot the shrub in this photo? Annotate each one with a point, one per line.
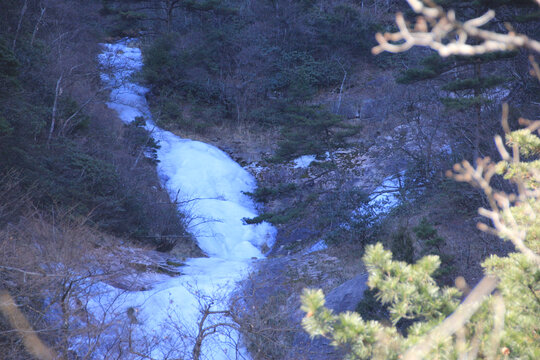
(499, 317)
(299, 76)
(311, 130)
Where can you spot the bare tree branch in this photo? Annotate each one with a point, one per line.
(455, 321)
(440, 30)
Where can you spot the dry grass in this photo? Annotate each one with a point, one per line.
(244, 142)
(43, 263)
(49, 263)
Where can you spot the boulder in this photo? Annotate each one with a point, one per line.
(346, 296)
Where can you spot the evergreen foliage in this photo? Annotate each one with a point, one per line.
(86, 167)
(261, 63)
(411, 293)
(468, 86)
(432, 66)
(300, 76)
(9, 67)
(428, 234)
(500, 317)
(402, 245)
(311, 130)
(463, 78)
(408, 289)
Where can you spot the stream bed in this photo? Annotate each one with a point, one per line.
(209, 187)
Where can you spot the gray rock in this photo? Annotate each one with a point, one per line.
(286, 239)
(304, 347)
(346, 296)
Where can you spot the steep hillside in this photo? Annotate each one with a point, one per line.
(347, 148)
(79, 201)
(270, 82)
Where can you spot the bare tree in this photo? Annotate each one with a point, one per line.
(54, 276)
(21, 16)
(43, 8)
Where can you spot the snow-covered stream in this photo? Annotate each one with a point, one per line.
(210, 187)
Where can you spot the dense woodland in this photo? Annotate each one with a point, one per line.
(267, 81)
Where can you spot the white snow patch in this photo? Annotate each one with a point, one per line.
(387, 194)
(383, 199)
(303, 161)
(209, 186)
(255, 168)
(318, 246)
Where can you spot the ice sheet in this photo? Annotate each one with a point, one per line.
(207, 185)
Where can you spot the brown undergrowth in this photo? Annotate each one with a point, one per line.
(51, 265)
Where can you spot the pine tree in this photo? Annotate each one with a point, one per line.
(312, 130)
(467, 82)
(500, 317)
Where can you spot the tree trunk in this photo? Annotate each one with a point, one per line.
(55, 106)
(23, 10)
(341, 91)
(36, 28)
(477, 94)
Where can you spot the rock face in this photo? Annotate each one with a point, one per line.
(272, 296)
(346, 296)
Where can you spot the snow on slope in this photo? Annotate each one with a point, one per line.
(210, 187)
